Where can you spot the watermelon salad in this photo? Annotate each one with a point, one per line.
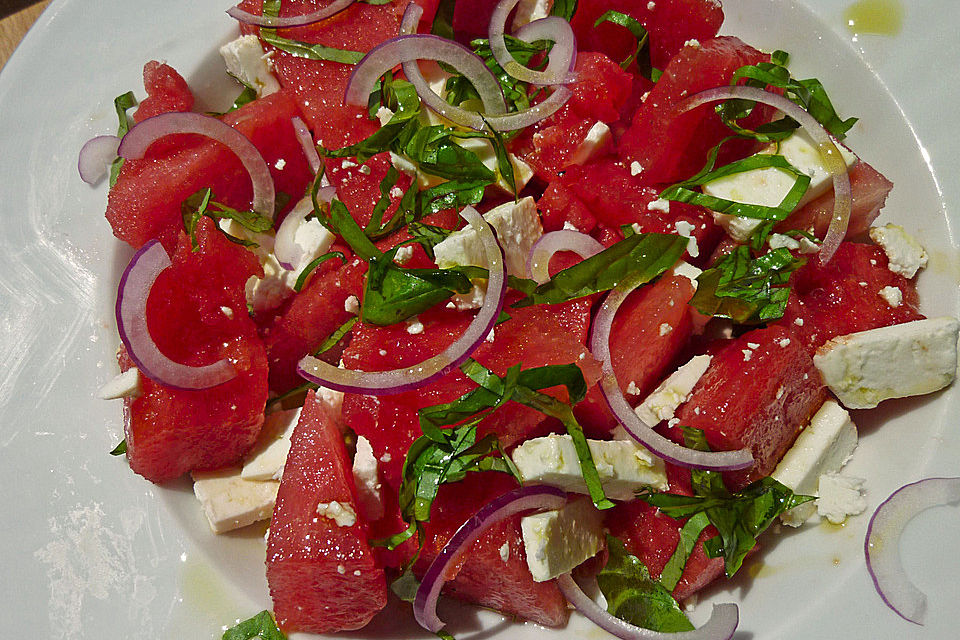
(509, 301)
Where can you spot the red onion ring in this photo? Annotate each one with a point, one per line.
(95, 158)
(285, 247)
(554, 28)
(642, 432)
(881, 545)
(135, 285)
(721, 625)
(135, 143)
(829, 154)
(509, 504)
(550, 243)
(333, 8)
(306, 142)
(378, 383)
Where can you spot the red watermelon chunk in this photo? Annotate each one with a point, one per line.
(670, 24)
(869, 189)
(311, 316)
(166, 91)
(145, 202)
(843, 296)
(323, 577)
(670, 147)
(172, 431)
(759, 392)
(652, 537)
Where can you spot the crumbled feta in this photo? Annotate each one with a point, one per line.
(124, 385)
(893, 296)
(352, 305)
(905, 254)
(663, 206)
(414, 326)
(246, 61)
(269, 455)
(863, 369)
(781, 241)
(558, 541)
(367, 481)
(685, 230)
(340, 512)
(839, 497)
(663, 401)
(687, 270)
(595, 143)
(230, 502)
(635, 167)
(403, 255)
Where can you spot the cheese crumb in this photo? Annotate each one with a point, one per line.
(414, 326)
(351, 305)
(341, 513)
(893, 296)
(635, 168)
(665, 328)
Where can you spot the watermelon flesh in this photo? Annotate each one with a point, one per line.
(167, 92)
(323, 576)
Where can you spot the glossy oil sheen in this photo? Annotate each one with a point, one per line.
(879, 17)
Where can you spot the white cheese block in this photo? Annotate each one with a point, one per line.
(905, 255)
(367, 481)
(266, 460)
(230, 502)
(558, 541)
(840, 496)
(768, 186)
(688, 271)
(124, 385)
(623, 465)
(663, 401)
(597, 140)
(863, 369)
(824, 446)
(246, 61)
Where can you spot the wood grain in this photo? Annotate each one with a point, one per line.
(15, 26)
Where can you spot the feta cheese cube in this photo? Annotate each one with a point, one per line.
(688, 271)
(768, 186)
(558, 541)
(269, 455)
(367, 481)
(230, 502)
(597, 140)
(124, 385)
(863, 369)
(840, 496)
(824, 446)
(246, 61)
(623, 466)
(671, 393)
(905, 254)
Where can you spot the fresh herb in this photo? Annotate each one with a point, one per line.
(524, 386)
(632, 25)
(428, 236)
(739, 517)
(633, 596)
(334, 338)
(564, 8)
(504, 166)
(120, 449)
(260, 626)
(201, 204)
(316, 262)
(304, 49)
(745, 289)
(394, 293)
(689, 534)
(294, 397)
(443, 20)
(248, 95)
(121, 104)
(638, 258)
(809, 94)
(515, 92)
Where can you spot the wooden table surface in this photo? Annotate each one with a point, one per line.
(15, 26)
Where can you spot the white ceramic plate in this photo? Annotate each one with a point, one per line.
(91, 550)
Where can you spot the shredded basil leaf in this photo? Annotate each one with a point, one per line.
(443, 20)
(334, 338)
(304, 49)
(122, 103)
(260, 626)
(747, 290)
(641, 257)
(633, 596)
(120, 449)
(689, 534)
(632, 25)
(564, 8)
(428, 236)
(394, 293)
(201, 204)
(316, 262)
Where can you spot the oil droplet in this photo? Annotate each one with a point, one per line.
(880, 17)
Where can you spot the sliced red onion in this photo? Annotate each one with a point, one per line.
(289, 254)
(377, 383)
(552, 28)
(538, 262)
(509, 504)
(641, 431)
(135, 144)
(306, 142)
(829, 153)
(882, 543)
(333, 8)
(721, 625)
(135, 285)
(95, 158)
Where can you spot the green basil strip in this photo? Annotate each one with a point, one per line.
(335, 337)
(316, 262)
(564, 8)
(393, 294)
(122, 103)
(120, 449)
(632, 25)
(261, 626)
(294, 397)
(689, 535)
(633, 596)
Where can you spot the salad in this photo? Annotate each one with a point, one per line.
(480, 378)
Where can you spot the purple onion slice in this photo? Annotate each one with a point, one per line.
(552, 242)
(882, 543)
(562, 55)
(306, 142)
(95, 158)
(642, 432)
(377, 383)
(135, 285)
(135, 143)
(721, 625)
(829, 153)
(333, 8)
(517, 501)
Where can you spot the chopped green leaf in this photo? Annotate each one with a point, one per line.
(260, 626)
(564, 8)
(122, 103)
(689, 534)
(201, 204)
(747, 290)
(641, 257)
(632, 25)
(633, 596)
(316, 262)
(428, 236)
(443, 20)
(294, 397)
(120, 449)
(393, 294)
(334, 338)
